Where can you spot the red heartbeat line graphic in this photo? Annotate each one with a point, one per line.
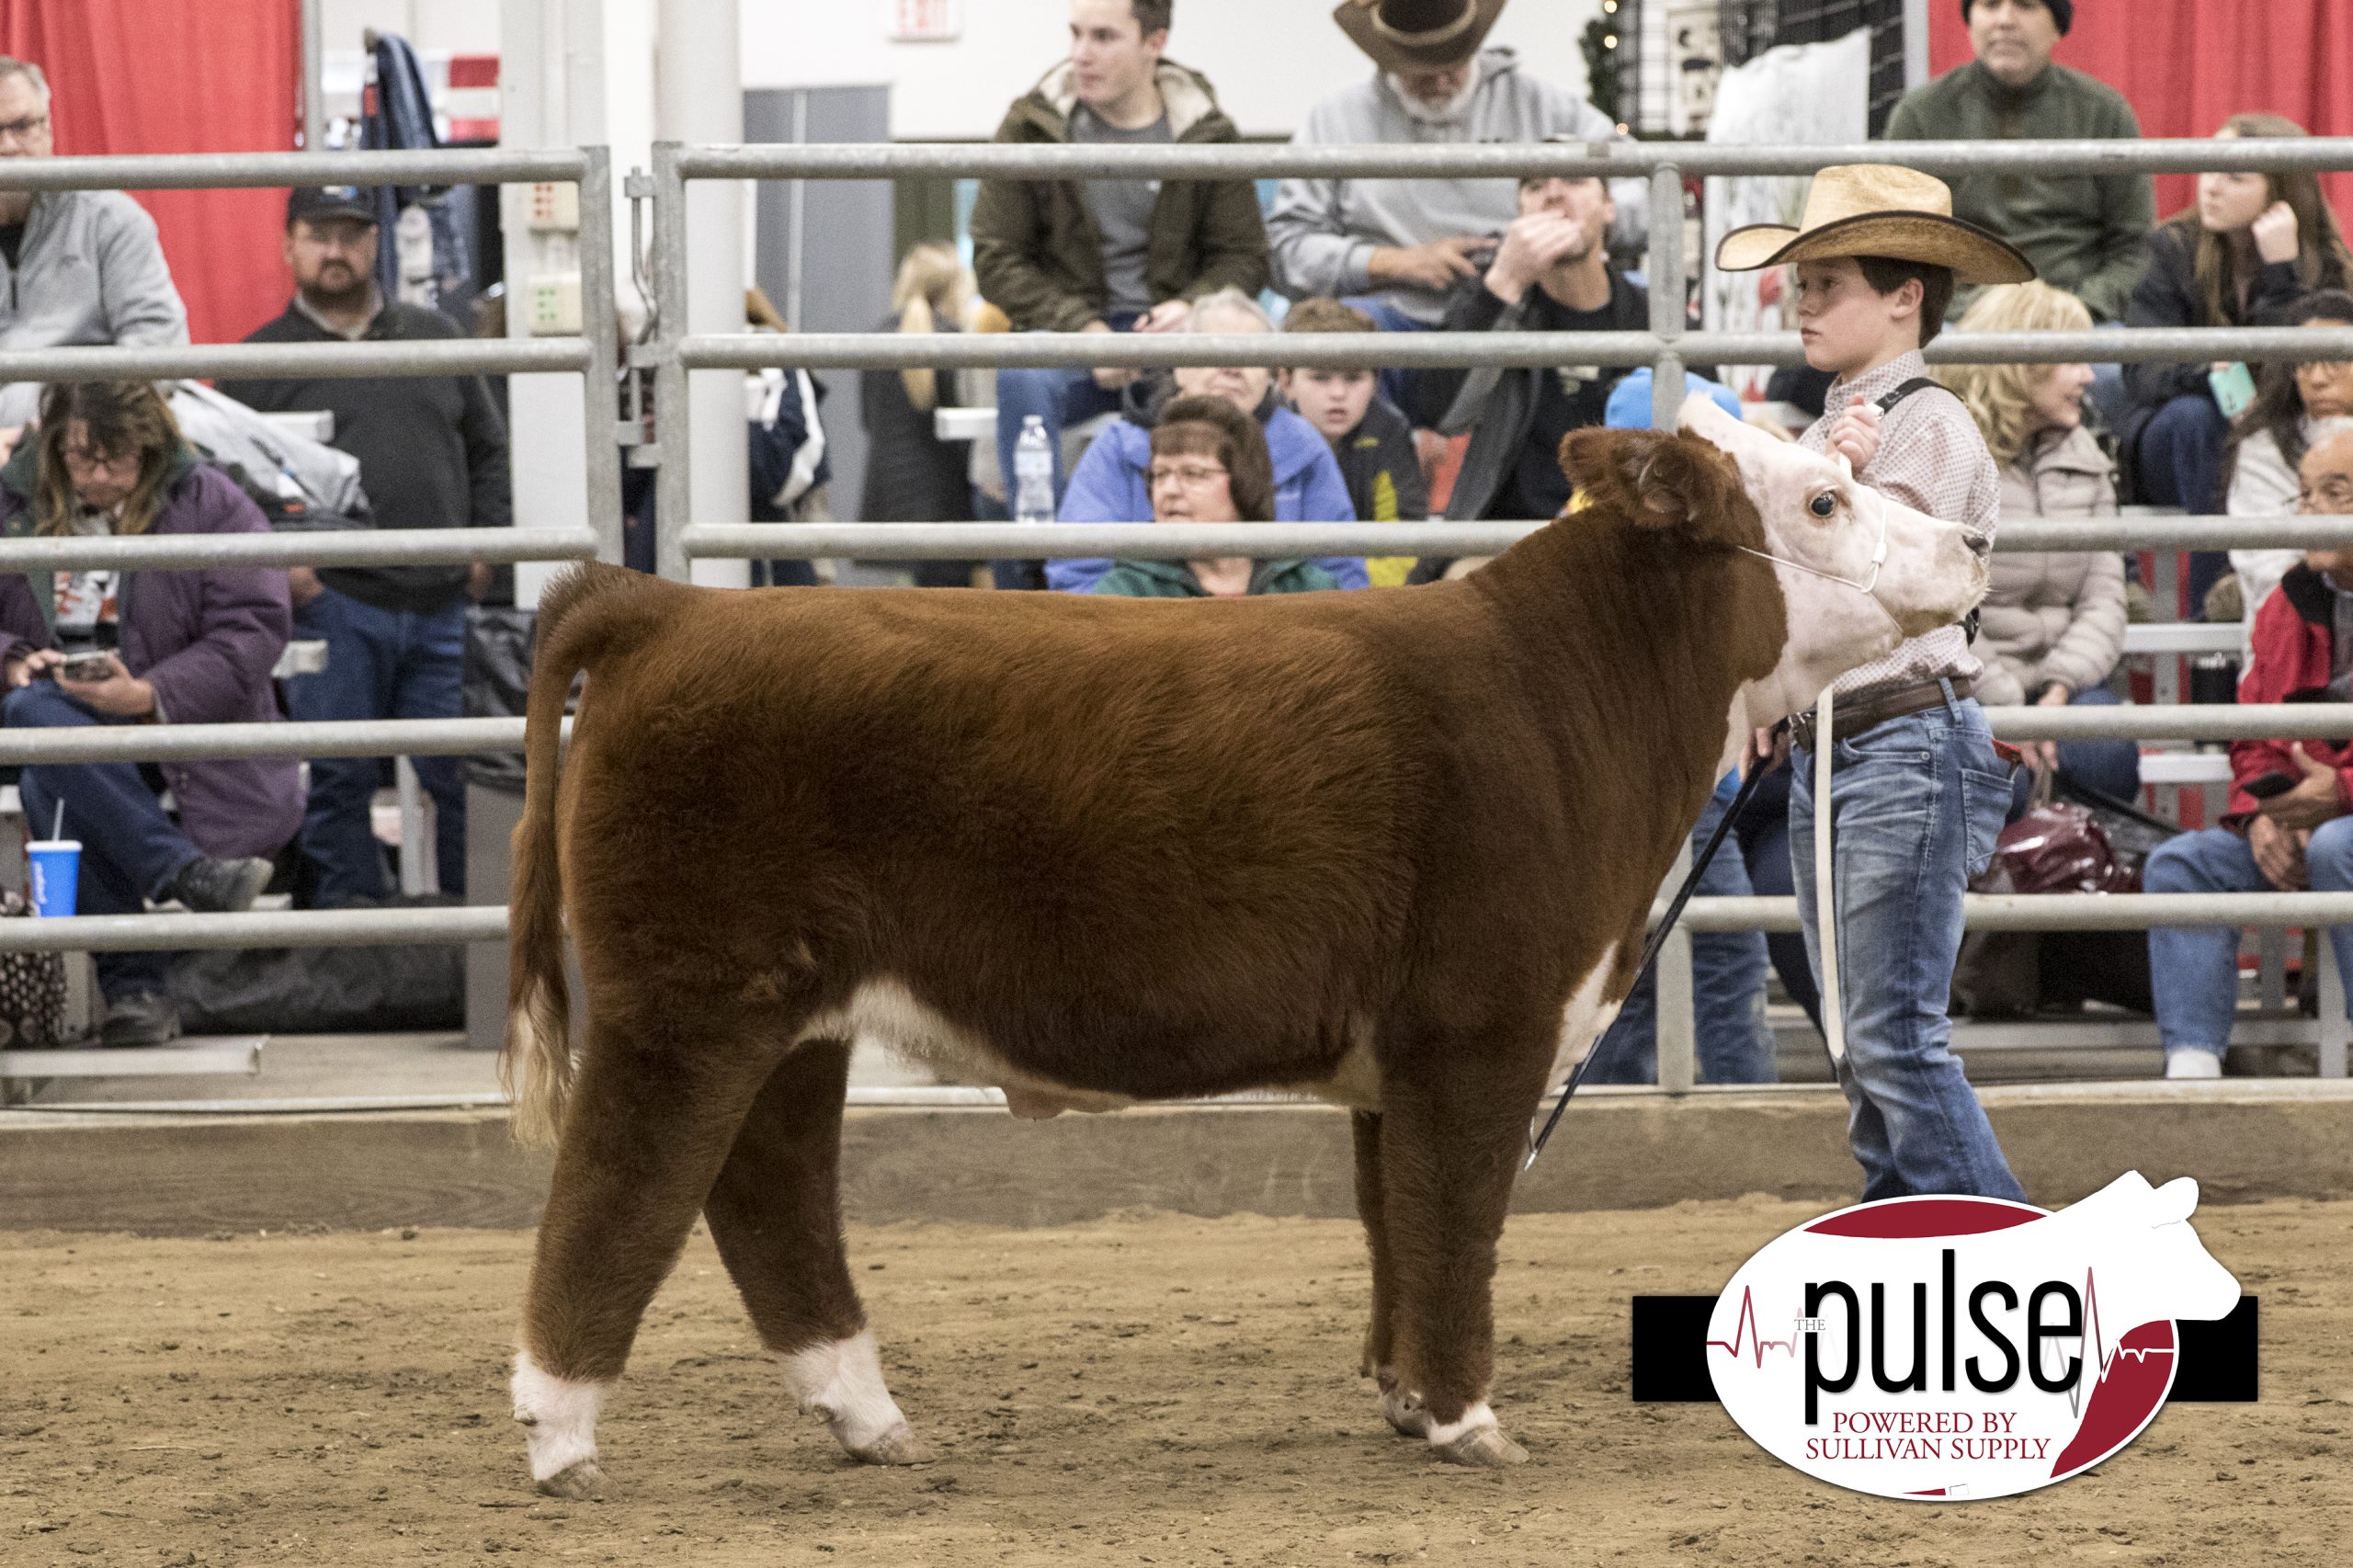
(1747, 1326)
(1745, 1329)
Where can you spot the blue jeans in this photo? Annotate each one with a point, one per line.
(1387, 317)
(1916, 803)
(381, 663)
(2181, 453)
(2112, 768)
(1727, 986)
(1058, 394)
(1764, 830)
(2194, 970)
(131, 850)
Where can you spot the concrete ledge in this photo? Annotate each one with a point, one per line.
(190, 1175)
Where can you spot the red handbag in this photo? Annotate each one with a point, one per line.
(2056, 846)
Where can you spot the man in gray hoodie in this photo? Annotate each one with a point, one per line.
(1395, 249)
(77, 267)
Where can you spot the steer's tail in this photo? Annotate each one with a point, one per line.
(582, 612)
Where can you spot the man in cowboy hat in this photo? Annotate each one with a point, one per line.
(1917, 792)
(1396, 248)
(2084, 232)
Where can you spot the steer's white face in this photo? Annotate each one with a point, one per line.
(1860, 573)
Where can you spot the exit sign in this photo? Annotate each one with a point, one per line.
(927, 21)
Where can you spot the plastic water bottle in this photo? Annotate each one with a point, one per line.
(1033, 473)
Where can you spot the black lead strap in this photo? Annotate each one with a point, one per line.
(1651, 949)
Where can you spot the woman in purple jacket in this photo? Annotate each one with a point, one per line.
(183, 647)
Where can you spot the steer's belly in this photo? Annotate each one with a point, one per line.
(886, 1013)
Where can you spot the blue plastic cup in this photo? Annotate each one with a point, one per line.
(56, 865)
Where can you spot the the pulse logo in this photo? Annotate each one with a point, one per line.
(1949, 1347)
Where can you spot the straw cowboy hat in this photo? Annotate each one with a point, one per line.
(1417, 35)
(1878, 210)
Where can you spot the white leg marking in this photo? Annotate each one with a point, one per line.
(559, 1418)
(842, 1380)
(1477, 1416)
(1586, 1017)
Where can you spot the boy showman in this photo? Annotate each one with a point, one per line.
(1917, 792)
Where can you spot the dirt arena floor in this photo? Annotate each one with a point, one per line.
(1148, 1389)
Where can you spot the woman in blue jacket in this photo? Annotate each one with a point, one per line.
(1109, 485)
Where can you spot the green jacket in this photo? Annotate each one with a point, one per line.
(1035, 248)
(1175, 580)
(2082, 231)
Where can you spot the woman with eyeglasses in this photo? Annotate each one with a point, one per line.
(1210, 465)
(197, 646)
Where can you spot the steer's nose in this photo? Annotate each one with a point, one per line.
(1980, 545)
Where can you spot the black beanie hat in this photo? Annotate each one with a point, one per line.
(2062, 11)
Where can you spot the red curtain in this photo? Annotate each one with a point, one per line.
(169, 76)
(2188, 65)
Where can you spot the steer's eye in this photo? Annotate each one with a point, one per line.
(1823, 505)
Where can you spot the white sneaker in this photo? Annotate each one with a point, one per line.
(2192, 1062)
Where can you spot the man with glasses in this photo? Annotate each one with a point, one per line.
(77, 267)
(2290, 820)
(432, 453)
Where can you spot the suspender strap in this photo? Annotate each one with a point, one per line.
(1917, 383)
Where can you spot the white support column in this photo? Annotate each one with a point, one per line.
(698, 97)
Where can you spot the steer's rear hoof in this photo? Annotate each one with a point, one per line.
(576, 1482)
(1483, 1448)
(897, 1446)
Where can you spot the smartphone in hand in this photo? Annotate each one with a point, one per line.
(2271, 785)
(88, 666)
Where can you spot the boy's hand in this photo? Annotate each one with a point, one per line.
(1165, 316)
(1766, 748)
(1856, 434)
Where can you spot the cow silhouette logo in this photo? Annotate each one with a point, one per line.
(1954, 1349)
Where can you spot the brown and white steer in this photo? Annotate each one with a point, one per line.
(1394, 849)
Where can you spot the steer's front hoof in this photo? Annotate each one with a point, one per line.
(897, 1446)
(1483, 1448)
(1405, 1414)
(576, 1482)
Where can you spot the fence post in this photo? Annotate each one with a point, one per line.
(599, 382)
(674, 490)
(2333, 1026)
(1676, 1028)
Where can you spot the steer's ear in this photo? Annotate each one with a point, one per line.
(1656, 479)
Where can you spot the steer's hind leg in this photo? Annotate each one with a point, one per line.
(776, 1214)
(650, 1121)
(1453, 1125)
(1380, 1352)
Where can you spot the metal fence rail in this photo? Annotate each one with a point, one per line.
(1185, 541)
(355, 547)
(1458, 350)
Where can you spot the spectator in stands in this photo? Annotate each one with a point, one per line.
(1210, 465)
(432, 454)
(2295, 405)
(785, 447)
(81, 267)
(1552, 273)
(1113, 482)
(913, 476)
(1401, 246)
(2253, 247)
(1109, 254)
(189, 647)
(2082, 232)
(2301, 837)
(2051, 626)
(1371, 438)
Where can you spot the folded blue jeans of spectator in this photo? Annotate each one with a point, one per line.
(1730, 1038)
(1916, 803)
(381, 663)
(2181, 464)
(2194, 970)
(130, 848)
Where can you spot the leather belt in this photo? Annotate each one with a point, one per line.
(1851, 717)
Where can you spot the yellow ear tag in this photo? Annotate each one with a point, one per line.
(1578, 501)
